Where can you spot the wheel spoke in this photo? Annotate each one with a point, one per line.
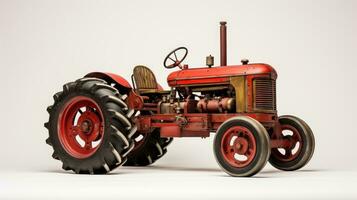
(88, 145)
(75, 130)
(175, 55)
(288, 152)
(231, 149)
(90, 109)
(172, 60)
(295, 137)
(248, 152)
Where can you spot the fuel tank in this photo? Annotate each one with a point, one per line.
(216, 75)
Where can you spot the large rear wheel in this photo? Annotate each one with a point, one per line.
(241, 146)
(149, 148)
(90, 127)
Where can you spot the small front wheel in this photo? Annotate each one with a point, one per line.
(241, 146)
(302, 148)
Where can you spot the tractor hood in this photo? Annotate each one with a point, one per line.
(216, 75)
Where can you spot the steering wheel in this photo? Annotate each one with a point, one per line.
(175, 61)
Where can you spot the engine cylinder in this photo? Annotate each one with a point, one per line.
(216, 105)
(166, 108)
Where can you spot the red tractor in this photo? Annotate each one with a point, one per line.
(100, 122)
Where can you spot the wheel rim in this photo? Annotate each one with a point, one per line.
(289, 154)
(238, 146)
(81, 127)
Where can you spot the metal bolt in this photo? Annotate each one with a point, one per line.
(245, 61)
(85, 126)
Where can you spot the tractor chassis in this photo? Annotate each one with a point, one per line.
(201, 124)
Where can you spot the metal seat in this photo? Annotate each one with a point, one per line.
(144, 81)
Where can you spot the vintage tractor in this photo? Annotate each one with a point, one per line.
(100, 122)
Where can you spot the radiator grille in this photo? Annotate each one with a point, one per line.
(264, 94)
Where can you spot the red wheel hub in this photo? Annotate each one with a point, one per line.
(238, 146)
(290, 153)
(81, 126)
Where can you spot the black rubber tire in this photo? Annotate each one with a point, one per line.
(307, 150)
(116, 143)
(262, 145)
(153, 148)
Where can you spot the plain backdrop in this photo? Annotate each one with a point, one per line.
(311, 44)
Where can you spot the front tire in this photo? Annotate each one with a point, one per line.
(300, 153)
(241, 146)
(90, 127)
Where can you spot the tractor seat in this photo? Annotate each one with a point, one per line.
(144, 81)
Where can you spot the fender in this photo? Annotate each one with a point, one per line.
(134, 101)
(109, 77)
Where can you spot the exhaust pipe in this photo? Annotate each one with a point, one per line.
(223, 37)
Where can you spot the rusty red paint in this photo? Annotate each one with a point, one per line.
(195, 109)
(197, 123)
(223, 43)
(281, 143)
(216, 75)
(291, 144)
(238, 146)
(134, 101)
(249, 90)
(113, 77)
(170, 131)
(69, 129)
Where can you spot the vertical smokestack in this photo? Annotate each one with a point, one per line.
(223, 34)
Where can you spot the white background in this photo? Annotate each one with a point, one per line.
(311, 44)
